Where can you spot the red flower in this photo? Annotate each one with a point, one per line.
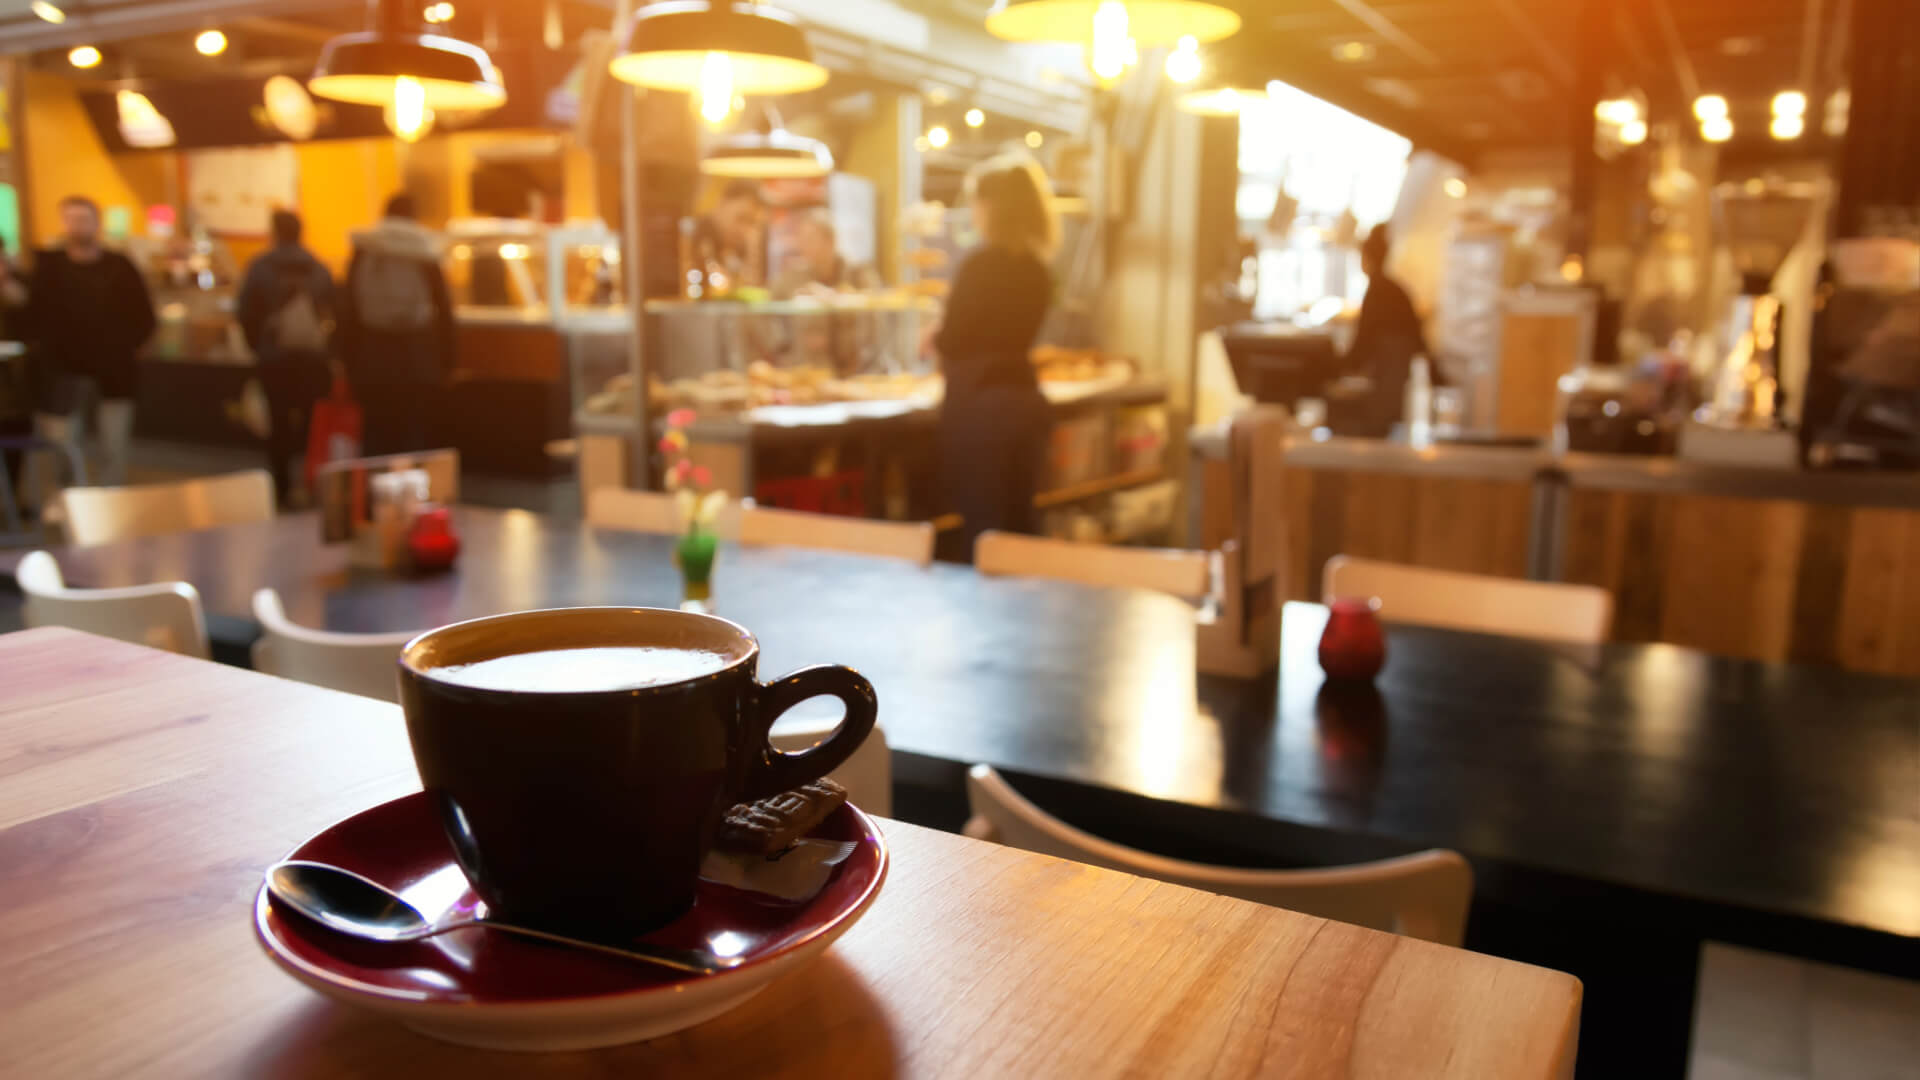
(702, 476)
(680, 418)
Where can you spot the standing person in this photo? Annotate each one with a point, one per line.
(89, 313)
(1387, 336)
(994, 421)
(730, 238)
(396, 329)
(286, 312)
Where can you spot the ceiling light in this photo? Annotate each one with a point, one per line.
(48, 13)
(1353, 52)
(1456, 187)
(922, 143)
(668, 44)
(1112, 49)
(141, 125)
(716, 87)
(1789, 103)
(768, 155)
(1150, 22)
(1035, 139)
(1219, 100)
(1183, 63)
(1716, 129)
(938, 136)
(289, 107)
(1633, 133)
(1838, 106)
(975, 118)
(1787, 126)
(366, 68)
(210, 43)
(407, 113)
(1709, 107)
(84, 56)
(939, 95)
(1617, 111)
(438, 13)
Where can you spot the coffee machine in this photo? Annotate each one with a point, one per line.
(1759, 223)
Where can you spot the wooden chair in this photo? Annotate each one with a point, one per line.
(101, 515)
(363, 664)
(1579, 614)
(1182, 573)
(165, 616)
(1423, 896)
(912, 541)
(647, 511)
(867, 775)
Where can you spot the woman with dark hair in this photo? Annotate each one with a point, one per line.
(994, 421)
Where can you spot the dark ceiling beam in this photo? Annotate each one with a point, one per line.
(106, 25)
(1684, 75)
(1389, 31)
(286, 29)
(1556, 61)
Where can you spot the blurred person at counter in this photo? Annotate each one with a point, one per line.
(1386, 338)
(816, 264)
(395, 331)
(730, 239)
(994, 421)
(88, 313)
(285, 308)
(16, 390)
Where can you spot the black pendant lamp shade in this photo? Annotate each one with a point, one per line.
(364, 67)
(668, 44)
(767, 155)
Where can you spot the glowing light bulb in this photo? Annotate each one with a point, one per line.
(1633, 133)
(1787, 126)
(1716, 129)
(1456, 187)
(1111, 43)
(48, 13)
(1789, 103)
(716, 87)
(1617, 111)
(210, 43)
(938, 136)
(975, 118)
(1183, 63)
(84, 56)
(408, 116)
(438, 13)
(1709, 107)
(1035, 139)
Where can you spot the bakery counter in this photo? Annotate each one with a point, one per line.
(1778, 565)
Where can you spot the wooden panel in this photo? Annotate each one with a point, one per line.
(1445, 522)
(508, 352)
(1535, 350)
(142, 795)
(1879, 622)
(1730, 574)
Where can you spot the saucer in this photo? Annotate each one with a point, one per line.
(485, 988)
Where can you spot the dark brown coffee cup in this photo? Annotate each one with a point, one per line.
(589, 811)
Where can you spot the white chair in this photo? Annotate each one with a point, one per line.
(363, 664)
(867, 775)
(165, 616)
(102, 515)
(1423, 896)
(1578, 614)
(1182, 573)
(648, 512)
(912, 541)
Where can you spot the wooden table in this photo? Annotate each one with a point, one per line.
(142, 793)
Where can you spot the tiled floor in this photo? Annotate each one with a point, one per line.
(1758, 1016)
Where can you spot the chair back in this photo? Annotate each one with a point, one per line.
(867, 775)
(649, 512)
(164, 616)
(1423, 896)
(1183, 573)
(363, 664)
(912, 541)
(102, 515)
(1579, 614)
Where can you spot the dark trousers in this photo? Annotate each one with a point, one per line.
(992, 447)
(292, 385)
(394, 415)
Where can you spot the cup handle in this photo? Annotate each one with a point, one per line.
(772, 771)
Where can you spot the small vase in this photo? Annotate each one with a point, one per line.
(694, 556)
(1353, 647)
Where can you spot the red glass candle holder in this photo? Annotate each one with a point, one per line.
(1353, 647)
(431, 542)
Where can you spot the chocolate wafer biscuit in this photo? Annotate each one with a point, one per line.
(774, 823)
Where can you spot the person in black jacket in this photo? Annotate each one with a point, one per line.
(1387, 336)
(994, 421)
(396, 330)
(88, 313)
(285, 309)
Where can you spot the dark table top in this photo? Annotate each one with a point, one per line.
(1725, 789)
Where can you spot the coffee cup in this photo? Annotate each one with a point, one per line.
(581, 759)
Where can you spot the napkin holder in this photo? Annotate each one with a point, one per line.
(1238, 633)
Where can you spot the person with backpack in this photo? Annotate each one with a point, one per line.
(396, 329)
(286, 311)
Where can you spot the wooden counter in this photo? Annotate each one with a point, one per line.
(1758, 563)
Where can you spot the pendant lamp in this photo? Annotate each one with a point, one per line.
(717, 48)
(772, 153)
(369, 67)
(1148, 22)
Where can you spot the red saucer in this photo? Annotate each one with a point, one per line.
(486, 988)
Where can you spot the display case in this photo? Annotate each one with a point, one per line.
(509, 269)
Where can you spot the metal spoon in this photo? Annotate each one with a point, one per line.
(342, 900)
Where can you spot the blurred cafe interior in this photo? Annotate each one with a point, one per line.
(1447, 467)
